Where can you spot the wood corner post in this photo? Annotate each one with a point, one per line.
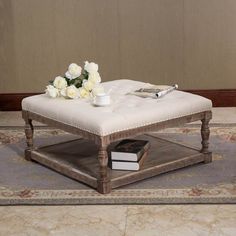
(29, 132)
(104, 181)
(205, 133)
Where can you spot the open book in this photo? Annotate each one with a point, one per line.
(154, 91)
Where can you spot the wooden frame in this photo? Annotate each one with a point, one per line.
(103, 183)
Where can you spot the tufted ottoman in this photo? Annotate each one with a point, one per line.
(127, 116)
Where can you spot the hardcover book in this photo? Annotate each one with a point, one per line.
(129, 165)
(129, 150)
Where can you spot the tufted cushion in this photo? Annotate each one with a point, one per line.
(125, 112)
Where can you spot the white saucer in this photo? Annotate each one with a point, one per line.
(100, 105)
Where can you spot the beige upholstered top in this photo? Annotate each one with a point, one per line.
(125, 112)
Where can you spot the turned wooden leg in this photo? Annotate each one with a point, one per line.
(205, 133)
(104, 182)
(29, 132)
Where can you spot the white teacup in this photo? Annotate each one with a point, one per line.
(102, 99)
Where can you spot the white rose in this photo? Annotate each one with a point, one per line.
(88, 85)
(83, 93)
(52, 91)
(63, 92)
(74, 71)
(98, 89)
(72, 92)
(94, 77)
(90, 67)
(60, 82)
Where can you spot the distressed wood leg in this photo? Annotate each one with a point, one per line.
(104, 182)
(205, 133)
(29, 132)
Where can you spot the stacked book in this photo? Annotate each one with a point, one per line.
(129, 154)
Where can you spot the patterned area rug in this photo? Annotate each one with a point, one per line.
(23, 182)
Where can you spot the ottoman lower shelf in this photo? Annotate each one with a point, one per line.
(77, 159)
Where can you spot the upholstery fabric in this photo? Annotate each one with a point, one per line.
(125, 112)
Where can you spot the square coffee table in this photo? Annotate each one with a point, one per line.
(86, 158)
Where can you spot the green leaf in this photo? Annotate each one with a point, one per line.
(67, 80)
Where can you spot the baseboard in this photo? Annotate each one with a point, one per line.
(219, 97)
(12, 101)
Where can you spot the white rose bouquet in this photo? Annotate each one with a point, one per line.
(76, 83)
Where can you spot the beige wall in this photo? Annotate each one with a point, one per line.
(190, 42)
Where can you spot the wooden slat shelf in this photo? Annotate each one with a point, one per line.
(77, 159)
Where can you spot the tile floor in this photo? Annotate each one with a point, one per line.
(163, 220)
(178, 220)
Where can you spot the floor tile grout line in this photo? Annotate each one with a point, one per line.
(126, 219)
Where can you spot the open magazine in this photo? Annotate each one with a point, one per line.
(154, 91)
